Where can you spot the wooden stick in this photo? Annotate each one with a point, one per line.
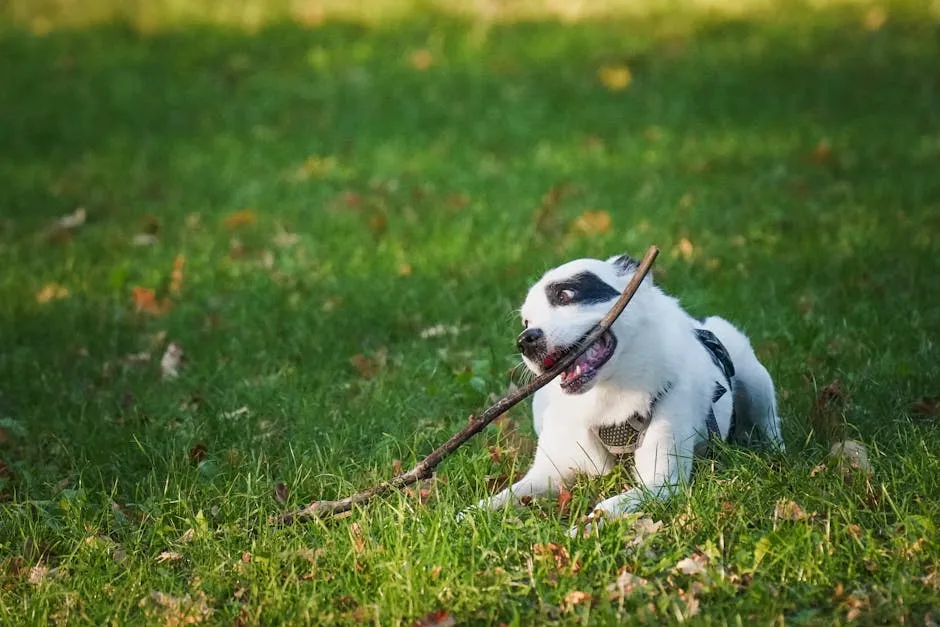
(425, 467)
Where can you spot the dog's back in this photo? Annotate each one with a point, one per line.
(755, 403)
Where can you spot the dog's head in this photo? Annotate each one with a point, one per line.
(564, 306)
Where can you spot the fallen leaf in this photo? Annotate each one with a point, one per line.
(786, 509)
(564, 501)
(644, 527)
(285, 239)
(355, 532)
(694, 565)
(369, 366)
(421, 59)
(852, 453)
(828, 412)
(546, 215)
(927, 407)
(198, 453)
(240, 219)
(822, 153)
(176, 275)
(615, 77)
(72, 220)
(440, 618)
(553, 552)
(404, 269)
(246, 557)
(187, 536)
(573, 598)
(145, 301)
(241, 411)
(144, 239)
(38, 574)
(281, 492)
(439, 330)
(685, 249)
(171, 611)
(171, 361)
(169, 556)
(592, 223)
(626, 584)
(50, 292)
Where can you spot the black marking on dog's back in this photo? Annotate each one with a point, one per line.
(717, 351)
(588, 289)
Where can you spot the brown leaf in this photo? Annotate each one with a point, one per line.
(564, 501)
(369, 366)
(592, 223)
(627, 583)
(573, 598)
(927, 407)
(828, 412)
(146, 302)
(240, 219)
(822, 153)
(281, 492)
(785, 509)
(172, 611)
(50, 292)
(851, 453)
(644, 527)
(421, 59)
(615, 77)
(555, 553)
(355, 532)
(176, 275)
(169, 556)
(439, 618)
(197, 453)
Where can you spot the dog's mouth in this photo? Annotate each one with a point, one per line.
(578, 375)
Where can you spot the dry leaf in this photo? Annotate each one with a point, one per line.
(281, 492)
(615, 77)
(573, 598)
(644, 527)
(421, 59)
(240, 219)
(285, 239)
(564, 501)
(627, 583)
(144, 239)
(440, 618)
(187, 536)
(927, 407)
(369, 366)
(39, 573)
(197, 453)
(785, 509)
(404, 269)
(169, 556)
(828, 412)
(72, 220)
(171, 361)
(439, 330)
(592, 223)
(552, 551)
(50, 292)
(355, 532)
(176, 275)
(145, 301)
(822, 153)
(176, 611)
(853, 453)
(685, 249)
(694, 565)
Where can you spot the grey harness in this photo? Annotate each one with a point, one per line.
(622, 439)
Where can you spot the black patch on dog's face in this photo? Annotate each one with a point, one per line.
(584, 288)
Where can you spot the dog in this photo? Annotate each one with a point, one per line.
(651, 392)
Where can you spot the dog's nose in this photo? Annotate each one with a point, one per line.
(529, 341)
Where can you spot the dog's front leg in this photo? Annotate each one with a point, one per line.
(543, 477)
(662, 462)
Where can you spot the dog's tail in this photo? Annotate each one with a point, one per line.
(755, 401)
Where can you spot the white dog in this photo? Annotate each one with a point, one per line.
(651, 392)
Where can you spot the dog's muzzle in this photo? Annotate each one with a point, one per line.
(532, 344)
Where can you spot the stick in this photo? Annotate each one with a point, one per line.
(424, 468)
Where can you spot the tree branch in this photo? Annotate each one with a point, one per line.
(425, 467)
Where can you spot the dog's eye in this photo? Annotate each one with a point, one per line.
(564, 296)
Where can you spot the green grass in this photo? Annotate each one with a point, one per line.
(827, 257)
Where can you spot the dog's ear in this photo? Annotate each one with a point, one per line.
(623, 264)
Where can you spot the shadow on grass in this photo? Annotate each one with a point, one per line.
(814, 139)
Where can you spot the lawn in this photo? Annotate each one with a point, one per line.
(335, 220)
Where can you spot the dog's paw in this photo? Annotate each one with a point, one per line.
(467, 512)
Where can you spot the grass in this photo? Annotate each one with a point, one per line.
(336, 189)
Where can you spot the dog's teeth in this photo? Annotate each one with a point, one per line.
(577, 370)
